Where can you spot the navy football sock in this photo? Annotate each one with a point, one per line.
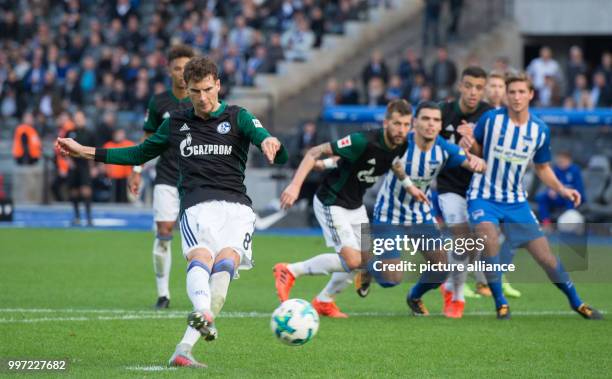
(561, 279)
(494, 281)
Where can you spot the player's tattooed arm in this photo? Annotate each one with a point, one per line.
(398, 169)
(548, 177)
(292, 192)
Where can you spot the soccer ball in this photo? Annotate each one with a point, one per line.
(295, 322)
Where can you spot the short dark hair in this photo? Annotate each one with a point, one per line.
(427, 105)
(198, 68)
(519, 77)
(400, 106)
(180, 51)
(474, 71)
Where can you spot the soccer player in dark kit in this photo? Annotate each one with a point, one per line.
(211, 141)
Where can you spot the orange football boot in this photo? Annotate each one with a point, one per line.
(283, 281)
(328, 308)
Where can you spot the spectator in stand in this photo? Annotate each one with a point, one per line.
(227, 76)
(606, 66)
(395, 88)
(254, 65)
(375, 95)
(350, 93)
(443, 74)
(581, 94)
(275, 53)
(79, 176)
(375, 68)
(105, 129)
(570, 176)
(27, 147)
(544, 66)
(317, 25)
(116, 173)
(409, 66)
(455, 13)
(431, 22)
(298, 40)
(601, 93)
(413, 91)
(331, 96)
(575, 66)
(241, 35)
(426, 94)
(550, 94)
(123, 10)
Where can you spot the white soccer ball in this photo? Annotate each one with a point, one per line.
(571, 221)
(295, 322)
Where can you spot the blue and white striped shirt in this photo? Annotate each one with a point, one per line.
(393, 204)
(507, 148)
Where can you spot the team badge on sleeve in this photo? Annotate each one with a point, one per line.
(344, 142)
(257, 123)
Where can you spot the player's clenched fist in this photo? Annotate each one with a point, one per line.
(289, 196)
(270, 147)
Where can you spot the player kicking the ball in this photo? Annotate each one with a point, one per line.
(427, 155)
(338, 203)
(508, 140)
(211, 140)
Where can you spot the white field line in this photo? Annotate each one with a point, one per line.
(150, 368)
(126, 315)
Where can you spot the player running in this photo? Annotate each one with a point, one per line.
(452, 184)
(338, 203)
(211, 141)
(426, 157)
(509, 139)
(166, 202)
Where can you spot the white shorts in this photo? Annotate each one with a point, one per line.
(166, 203)
(341, 226)
(453, 207)
(215, 225)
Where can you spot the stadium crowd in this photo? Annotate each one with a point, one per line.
(108, 56)
(573, 85)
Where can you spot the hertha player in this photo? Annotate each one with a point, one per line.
(166, 202)
(338, 203)
(452, 183)
(211, 141)
(509, 139)
(427, 156)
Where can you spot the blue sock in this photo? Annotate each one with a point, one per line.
(494, 281)
(429, 280)
(379, 275)
(561, 279)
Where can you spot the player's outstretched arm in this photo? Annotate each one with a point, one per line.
(414, 191)
(71, 148)
(292, 192)
(548, 177)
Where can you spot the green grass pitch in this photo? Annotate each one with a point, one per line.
(87, 296)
